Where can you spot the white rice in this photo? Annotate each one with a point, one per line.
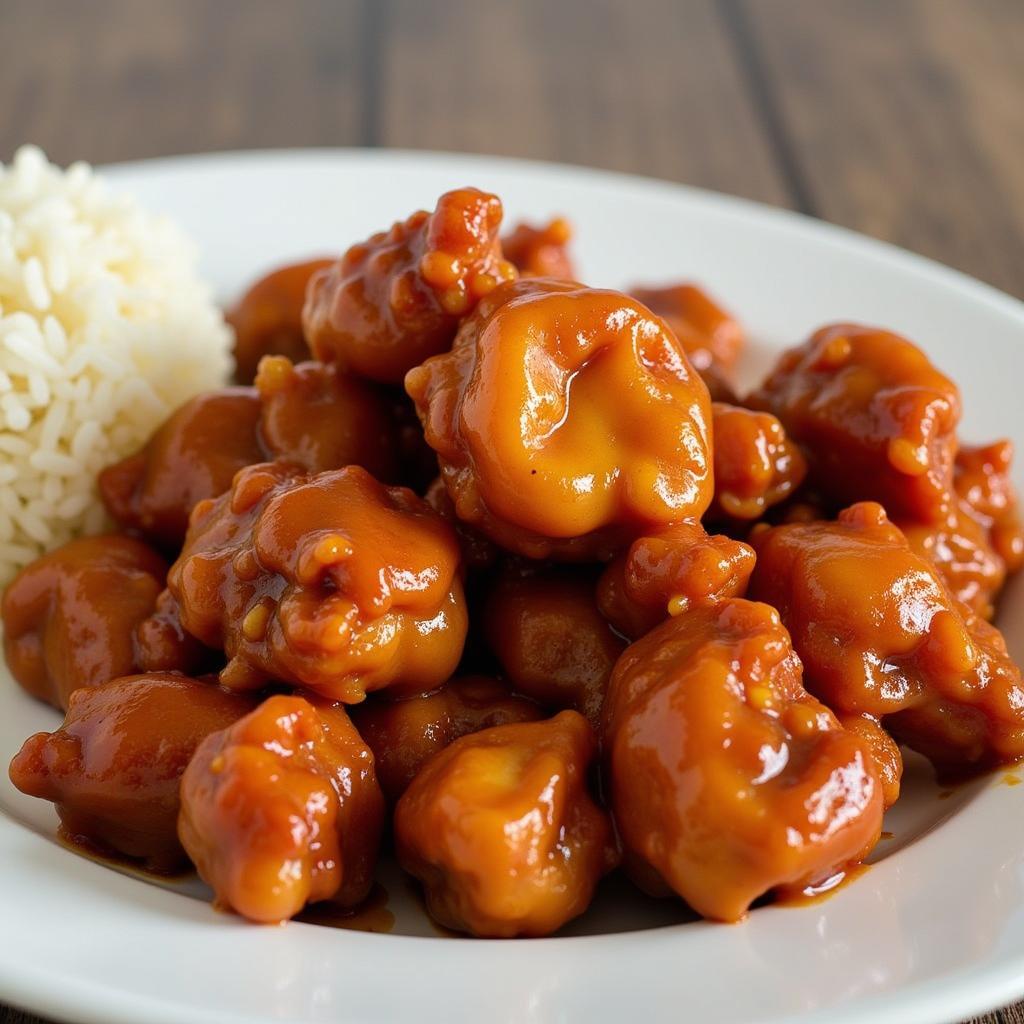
(104, 329)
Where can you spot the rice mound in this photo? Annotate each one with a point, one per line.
(105, 328)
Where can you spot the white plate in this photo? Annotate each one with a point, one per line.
(933, 932)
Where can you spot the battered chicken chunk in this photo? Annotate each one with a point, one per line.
(728, 780)
(394, 300)
(880, 634)
(282, 809)
(502, 832)
(874, 417)
(113, 768)
(330, 581)
(567, 421)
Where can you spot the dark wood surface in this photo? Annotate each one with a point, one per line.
(903, 119)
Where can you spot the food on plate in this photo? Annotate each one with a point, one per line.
(567, 421)
(541, 251)
(105, 328)
(113, 767)
(728, 779)
(711, 337)
(311, 414)
(70, 617)
(981, 538)
(756, 465)
(405, 733)
(552, 642)
(675, 570)
(875, 419)
(879, 633)
(282, 808)
(502, 831)
(483, 567)
(267, 319)
(329, 581)
(394, 300)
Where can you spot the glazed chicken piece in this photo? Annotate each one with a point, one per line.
(282, 808)
(879, 634)
(884, 750)
(875, 419)
(756, 464)
(502, 832)
(675, 570)
(551, 640)
(70, 617)
(267, 320)
(330, 581)
(728, 780)
(309, 414)
(113, 768)
(394, 300)
(710, 336)
(981, 538)
(541, 251)
(404, 734)
(478, 553)
(567, 421)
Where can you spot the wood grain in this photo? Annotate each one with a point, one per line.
(125, 79)
(906, 120)
(652, 87)
(901, 118)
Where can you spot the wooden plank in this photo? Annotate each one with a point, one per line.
(651, 87)
(906, 120)
(125, 79)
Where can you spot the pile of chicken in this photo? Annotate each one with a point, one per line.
(495, 567)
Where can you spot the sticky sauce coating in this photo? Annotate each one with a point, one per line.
(728, 780)
(329, 581)
(282, 809)
(566, 420)
(394, 300)
(502, 832)
(113, 767)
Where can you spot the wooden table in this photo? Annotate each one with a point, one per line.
(903, 119)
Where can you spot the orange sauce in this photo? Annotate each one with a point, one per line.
(372, 915)
(815, 894)
(1009, 779)
(99, 855)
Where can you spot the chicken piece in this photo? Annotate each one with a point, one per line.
(70, 617)
(330, 581)
(567, 421)
(502, 832)
(282, 809)
(192, 456)
(981, 538)
(551, 640)
(875, 419)
(884, 750)
(478, 553)
(675, 570)
(113, 768)
(394, 300)
(309, 414)
(710, 336)
(728, 780)
(541, 251)
(981, 476)
(267, 319)
(879, 634)
(405, 734)
(756, 464)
